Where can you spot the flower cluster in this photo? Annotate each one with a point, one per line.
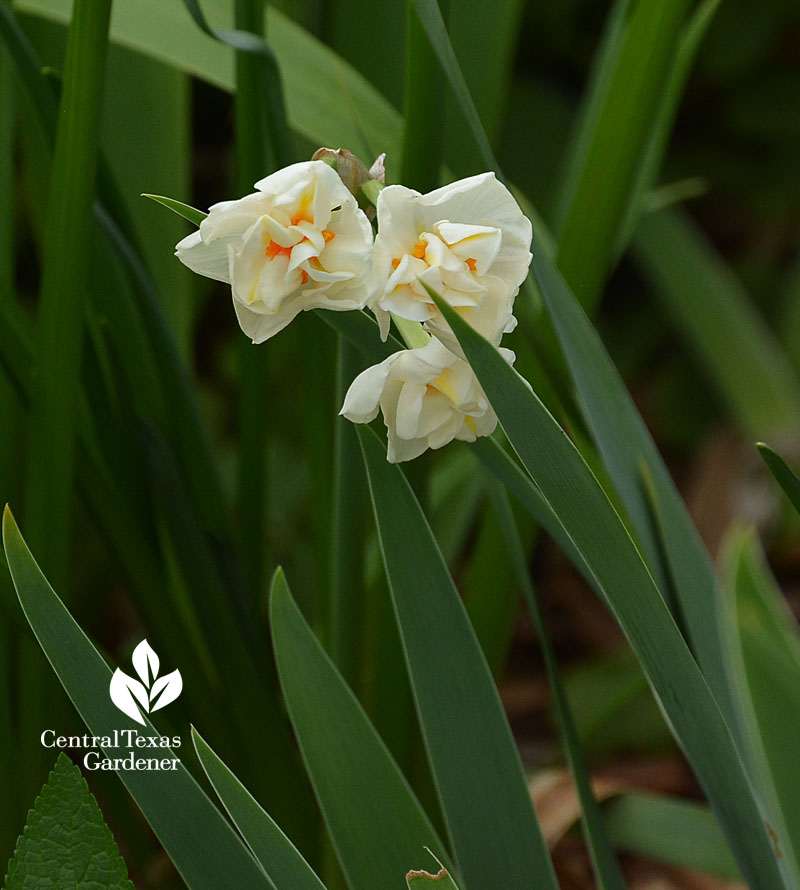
(302, 242)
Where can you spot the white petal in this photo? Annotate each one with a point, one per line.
(409, 408)
(364, 395)
(446, 432)
(400, 450)
(210, 260)
(397, 223)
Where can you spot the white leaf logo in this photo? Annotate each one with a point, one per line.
(152, 693)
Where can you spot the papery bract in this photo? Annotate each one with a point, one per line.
(468, 241)
(428, 397)
(299, 242)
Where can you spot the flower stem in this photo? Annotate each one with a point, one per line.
(52, 432)
(349, 497)
(424, 110)
(412, 332)
(251, 164)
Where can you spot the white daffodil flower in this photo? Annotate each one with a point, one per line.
(468, 241)
(428, 397)
(299, 242)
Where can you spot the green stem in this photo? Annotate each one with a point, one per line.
(347, 550)
(252, 163)
(7, 132)
(424, 110)
(51, 440)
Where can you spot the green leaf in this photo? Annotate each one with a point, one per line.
(604, 864)
(678, 832)
(147, 104)
(66, 843)
(469, 743)
(653, 154)
(720, 323)
(347, 618)
(52, 436)
(277, 855)
(588, 517)
(361, 329)
(485, 38)
(185, 210)
(784, 476)
(675, 554)
(424, 111)
(430, 17)
(327, 101)
(204, 848)
(765, 658)
(263, 77)
(619, 126)
(376, 824)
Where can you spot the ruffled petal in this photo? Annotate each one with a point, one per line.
(210, 260)
(364, 395)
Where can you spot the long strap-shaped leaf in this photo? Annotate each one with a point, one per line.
(201, 844)
(278, 856)
(720, 323)
(52, 436)
(588, 517)
(376, 824)
(430, 17)
(625, 443)
(279, 140)
(496, 838)
(617, 134)
(605, 866)
(764, 650)
(784, 476)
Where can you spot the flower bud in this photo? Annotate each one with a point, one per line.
(351, 170)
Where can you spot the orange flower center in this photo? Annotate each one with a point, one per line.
(274, 249)
(472, 263)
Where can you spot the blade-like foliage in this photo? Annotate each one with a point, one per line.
(185, 210)
(52, 437)
(765, 658)
(784, 476)
(201, 844)
(327, 101)
(619, 125)
(682, 833)
(590, 520)
(278, 856)
(469, 743)
(375, 822)
(606, 868)
(719, 322)
(673, 548)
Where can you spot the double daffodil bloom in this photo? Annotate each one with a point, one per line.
(468, 241)
(299, 242)
(428, 397)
